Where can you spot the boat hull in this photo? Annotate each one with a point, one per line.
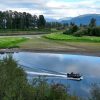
(76, 79)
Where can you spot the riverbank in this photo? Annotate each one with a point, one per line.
(84, 53)
(37, 43)
(70, 38)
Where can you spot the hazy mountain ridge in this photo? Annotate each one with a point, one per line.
(51, 20)
(57, 20)
(82, 19)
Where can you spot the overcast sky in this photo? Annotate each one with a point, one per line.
(53, 8)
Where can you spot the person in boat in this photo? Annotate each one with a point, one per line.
(73, 75)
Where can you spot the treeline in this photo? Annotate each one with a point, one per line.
(56, 25)
(91, 30)
(17, 20)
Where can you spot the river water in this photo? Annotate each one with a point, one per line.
(56, 66)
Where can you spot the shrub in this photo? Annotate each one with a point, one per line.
(54, 91)
(13, 82)
(71, 30)
(81, 32)
(74, 28)
(67, 32)
(95, 31)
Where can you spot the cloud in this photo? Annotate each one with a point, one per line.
(53, 8)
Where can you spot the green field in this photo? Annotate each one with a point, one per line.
(11, 42)
(70, 38)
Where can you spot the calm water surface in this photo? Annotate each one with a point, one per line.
(56, 65)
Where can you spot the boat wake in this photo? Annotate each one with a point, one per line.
(45, 74)
(48, 73)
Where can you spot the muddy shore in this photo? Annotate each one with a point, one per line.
(74, 52)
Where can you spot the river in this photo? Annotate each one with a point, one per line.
(56, 66)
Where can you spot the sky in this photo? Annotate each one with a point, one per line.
(53, 8)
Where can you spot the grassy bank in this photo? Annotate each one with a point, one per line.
(11, 42)
(23, 30)
(7, 32)
(70, 38)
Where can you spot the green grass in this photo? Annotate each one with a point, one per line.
(70, 38)
(11, 42)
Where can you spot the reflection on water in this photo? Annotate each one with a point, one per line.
(57, 65)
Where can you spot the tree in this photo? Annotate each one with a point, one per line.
(72, 23)
(95, 31)
(35, 21)
(48, 25)
(8, 17)
(1, 19)
(18, 20)
(92, 22)
(15, 85)
(41, 21)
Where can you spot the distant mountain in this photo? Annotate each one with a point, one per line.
(66, 18)
(51, 20)
(83, 19)
(58, 20)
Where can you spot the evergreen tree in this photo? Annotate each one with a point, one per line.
(35, 21)
(41, 21)
(18, 20)
(92, 22)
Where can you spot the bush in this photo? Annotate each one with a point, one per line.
(74, 28)
(81, 32)
(67, 32)
(95, 31)
(90, 31)
(13, 82)
(71, 30)
(55, 91)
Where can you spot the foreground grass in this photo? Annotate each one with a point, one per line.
(11, 42)
(70, 38)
